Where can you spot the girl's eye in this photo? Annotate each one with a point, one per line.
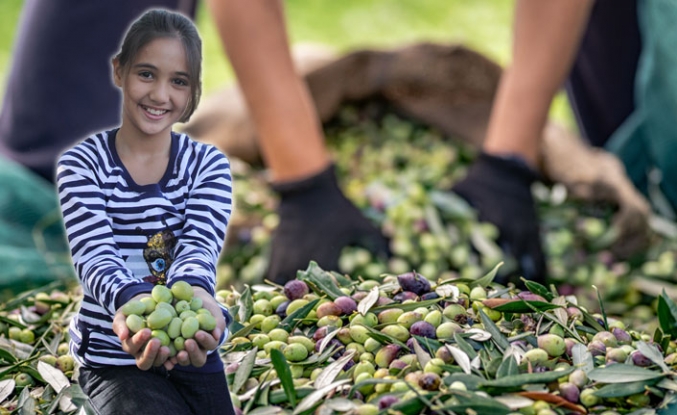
(180, 82)
(158, 265)
(145, 74)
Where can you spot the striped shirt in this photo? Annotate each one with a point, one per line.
(125, 237)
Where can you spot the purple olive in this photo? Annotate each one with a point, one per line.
(622, 336)
(281, 310)
(429, 381)
(638, 359)
(597, 348)
(385, 356)
(429, 296)
(569, 391)
(405, 295)
(529, 296)
(347, 305)
(384, 301)
(350, 363)
(569, 345)
(295, 289)
(423, 329)
(414, 282)
(359, 295)
(396, 366)
(320, 333)
(387, 401)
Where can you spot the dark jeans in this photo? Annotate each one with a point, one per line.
(128, 390)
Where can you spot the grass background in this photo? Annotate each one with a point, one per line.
(345, 25)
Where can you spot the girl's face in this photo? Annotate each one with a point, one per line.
(155, 88)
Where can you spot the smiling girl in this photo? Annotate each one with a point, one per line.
(144, 205)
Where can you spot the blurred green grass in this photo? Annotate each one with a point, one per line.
(484, 25)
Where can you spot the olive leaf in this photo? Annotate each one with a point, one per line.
(448, 291)
(601, 307)
(653, 354)
(668, 384)
(320, 281)
(384, 338)
(264, 288)
(486, 279)
(466, 401)
(340, 405)
(267, 410)
(560, 312)
(472, 382)
(422, 356)
(246, 305)
(514, 402)
(617, 390)
(368, 301)
(299, 314)
(464, 345)
(519, 306)
(242, 332)
(478, 334)
(330, 372)
(284, 374)
(496, 334)
(517, 382)
(53, 376)
(667, 314)
(538, 289)
(461, 358)
(508, 367)
(582, 358)
(278, 397)
(243, 371)
(6, 388)
(26, 403)
(431, 345)
(309, 401)
(326, 339)
(622, 373)
(406, 306)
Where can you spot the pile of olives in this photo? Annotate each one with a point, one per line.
(172, 314)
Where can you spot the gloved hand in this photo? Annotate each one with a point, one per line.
(500, 189)
(316, 222)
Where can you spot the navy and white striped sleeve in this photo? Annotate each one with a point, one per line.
(208, 211)
(95, 253)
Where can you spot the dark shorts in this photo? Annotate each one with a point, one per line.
(128, 390)
(601, 84)
(60, 85)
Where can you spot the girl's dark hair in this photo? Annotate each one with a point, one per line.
(158, 23)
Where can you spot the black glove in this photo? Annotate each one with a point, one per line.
(500, 189)
(316, 222)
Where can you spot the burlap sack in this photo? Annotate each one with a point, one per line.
(449, 87)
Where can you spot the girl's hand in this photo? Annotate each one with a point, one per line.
(146, 353)
(195, 352)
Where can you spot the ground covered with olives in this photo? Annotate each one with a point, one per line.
(327, 343)
(428, 331)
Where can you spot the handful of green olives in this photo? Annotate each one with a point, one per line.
(173, 315)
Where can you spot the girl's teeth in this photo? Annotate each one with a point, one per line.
(155, 112)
